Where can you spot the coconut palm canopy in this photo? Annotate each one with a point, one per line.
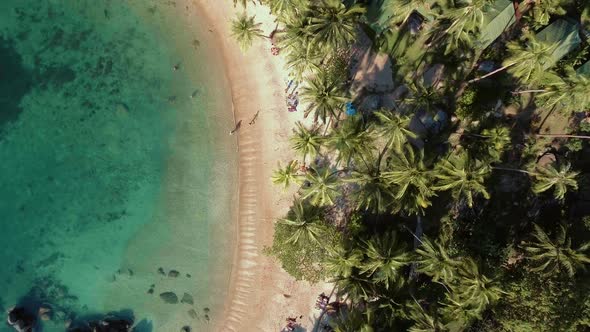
(435, 224)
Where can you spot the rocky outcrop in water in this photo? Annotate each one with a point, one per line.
(187, 298)
(169, 297)
(173, 273)
(21, 319)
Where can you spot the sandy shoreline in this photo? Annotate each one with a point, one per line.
(256, 300)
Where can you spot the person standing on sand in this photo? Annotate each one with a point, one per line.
(254, 118)
(236, 128)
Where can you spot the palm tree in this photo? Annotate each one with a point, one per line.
(323, 186)
(412, 180)
(341, 262)
(306, 142)
(568, 93)
(424, 321)
(395, 128)
(463, 176)
(373, 193)
(525, 62)
(497, 139)
(434, 261)
(352, 140)
(302, 62)
(549, 256)
(286, 176)
(543, 10)
(474, 291)
(284, 9)
(333, 25)
(461, 25)
(561, 178)
(385, 259)
(295, 37)
(305, 223)
(325, 97)
(528, 63)
(402, 9)
(245, 30)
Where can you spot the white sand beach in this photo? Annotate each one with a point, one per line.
(261, 294)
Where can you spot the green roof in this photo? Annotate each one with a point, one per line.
(498, 16)
(584, 69)
(563, 33)
(378, 16)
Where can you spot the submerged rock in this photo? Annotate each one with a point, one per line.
(193, 314)
(20, 319)
(186, 328)
(169, 297)
(161, 271)
(187, 298)
(173, 273)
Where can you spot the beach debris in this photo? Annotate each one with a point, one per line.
(187, 298)
(254, 118)
(186, 328)
(236, 128)
(169, 297)
(286, 296)
(193, 314)
(161, 271)
(173, 273)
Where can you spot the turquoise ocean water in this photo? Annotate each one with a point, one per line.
(115, 163)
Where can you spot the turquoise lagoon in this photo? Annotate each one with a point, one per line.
(115, 163)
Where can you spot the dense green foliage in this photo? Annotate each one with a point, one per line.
(458, 209)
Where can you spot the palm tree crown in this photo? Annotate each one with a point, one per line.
(549, 256)
(411, 178)
(245, 30)
(463, 176)
(394, 128)
(306, 142)
(323, 186)
(561, 178)
(385, 259)
(335, 25)
(324, 96)
(434, 261)
(305, 223)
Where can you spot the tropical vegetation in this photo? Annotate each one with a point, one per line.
(463, 204)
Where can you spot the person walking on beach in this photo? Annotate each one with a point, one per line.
(236, 128)
(254, 118)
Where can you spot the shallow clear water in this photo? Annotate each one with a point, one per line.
(108, 170)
